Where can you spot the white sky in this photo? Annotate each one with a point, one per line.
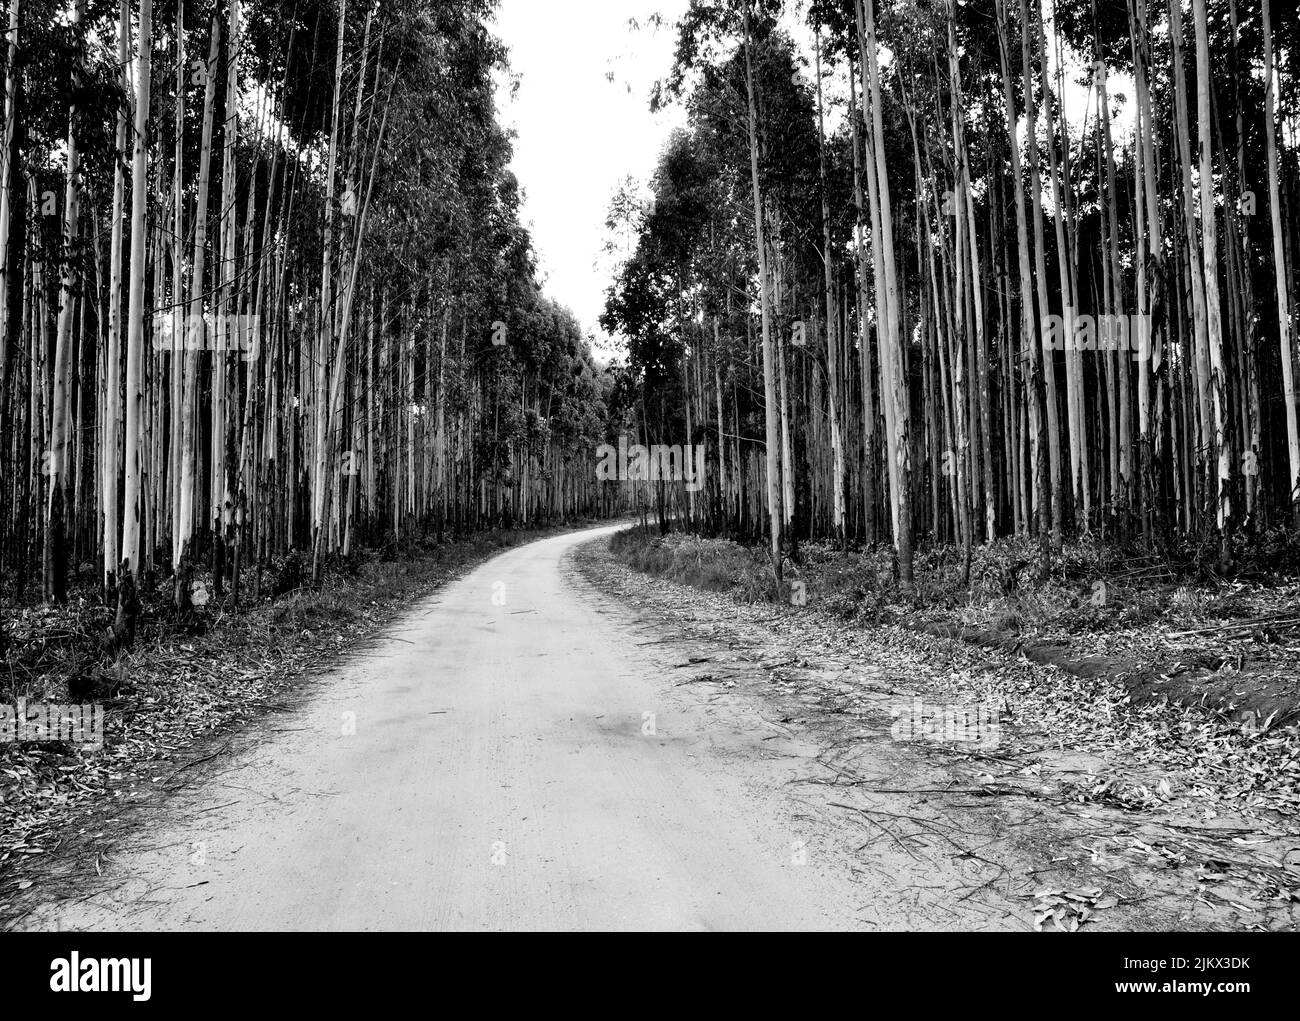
(579, 135)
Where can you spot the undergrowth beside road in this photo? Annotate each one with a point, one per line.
(1184, 808)
(183, 681)
(1166, 629)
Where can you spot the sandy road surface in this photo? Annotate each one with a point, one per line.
(490, 763)
(502, 774)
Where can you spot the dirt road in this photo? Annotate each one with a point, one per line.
(517, 753)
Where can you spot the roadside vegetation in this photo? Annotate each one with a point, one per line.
(1164, 784)
(1165, 626)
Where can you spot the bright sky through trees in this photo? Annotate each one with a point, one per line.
(580, 134)
(561, 55)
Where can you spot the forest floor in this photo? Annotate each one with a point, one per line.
(607, 748)
(181, 686)
(1154, 721)
(1167, 631)
(530, 752)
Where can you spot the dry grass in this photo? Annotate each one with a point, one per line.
(1232, 643)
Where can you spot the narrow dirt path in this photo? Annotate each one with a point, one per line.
(521, 752)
